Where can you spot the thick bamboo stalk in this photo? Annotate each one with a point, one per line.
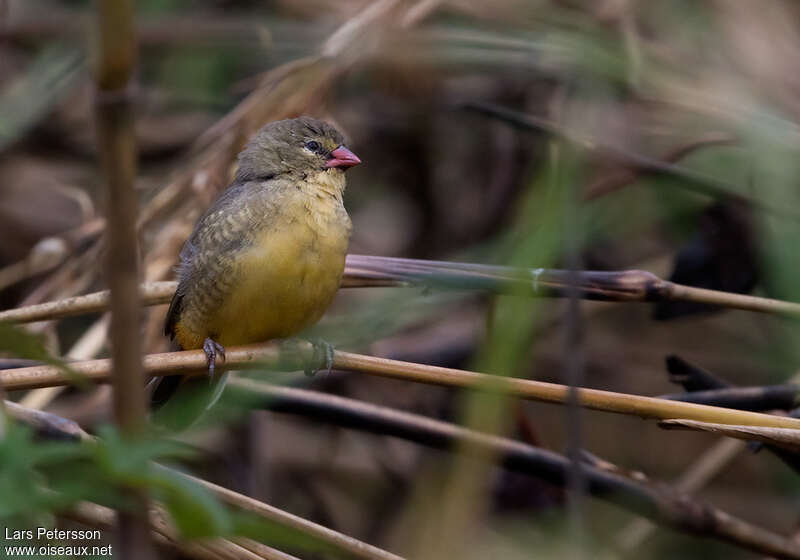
(371, 271)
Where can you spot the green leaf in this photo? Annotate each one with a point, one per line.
(24, 480)
(196, 513)
(126, 460)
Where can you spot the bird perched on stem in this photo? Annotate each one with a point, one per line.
(266, 259)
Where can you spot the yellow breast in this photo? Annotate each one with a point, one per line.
(288, 276)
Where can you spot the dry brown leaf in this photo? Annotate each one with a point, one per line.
(788, 438)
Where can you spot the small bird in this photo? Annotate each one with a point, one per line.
(266, 259)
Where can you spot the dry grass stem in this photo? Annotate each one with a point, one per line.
(53, 426)
(786, 438)
(46, 424)
(350, 546)
(371, 271)
(705, 468)
(95, 515)
(113, 107)
(300, 355)
(605, 480)
(643, 165)
(85, 348)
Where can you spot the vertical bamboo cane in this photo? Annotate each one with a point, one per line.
(115, 65)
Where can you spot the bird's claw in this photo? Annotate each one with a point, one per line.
(212, 348)
(326, 349)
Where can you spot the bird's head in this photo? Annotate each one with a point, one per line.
(303, 145)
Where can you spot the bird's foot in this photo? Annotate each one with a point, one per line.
(323, 350)
(212, 348)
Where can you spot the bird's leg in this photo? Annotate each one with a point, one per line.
(212, 348)
(326, 349)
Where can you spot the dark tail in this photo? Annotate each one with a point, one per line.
(162, 389)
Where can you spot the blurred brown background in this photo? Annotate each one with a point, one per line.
(708, 88)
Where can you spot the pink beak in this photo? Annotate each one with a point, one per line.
(342, 158)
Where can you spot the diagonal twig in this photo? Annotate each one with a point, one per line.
(614, 181)
(659, 504)
(95, 515)
(686, 178)
(51, 425)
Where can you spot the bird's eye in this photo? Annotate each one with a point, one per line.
(313, 146)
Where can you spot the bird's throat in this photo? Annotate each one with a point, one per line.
(330, 182)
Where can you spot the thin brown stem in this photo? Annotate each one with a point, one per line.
(642, 164)
(629, 175)
(637, 494)
(349, 545)
(62, 428)
(116, 63)
(262, 550)
(371, 271)
(605, 481)
(300, 356)
(153, 293)
(46, 424)
(95, 515)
